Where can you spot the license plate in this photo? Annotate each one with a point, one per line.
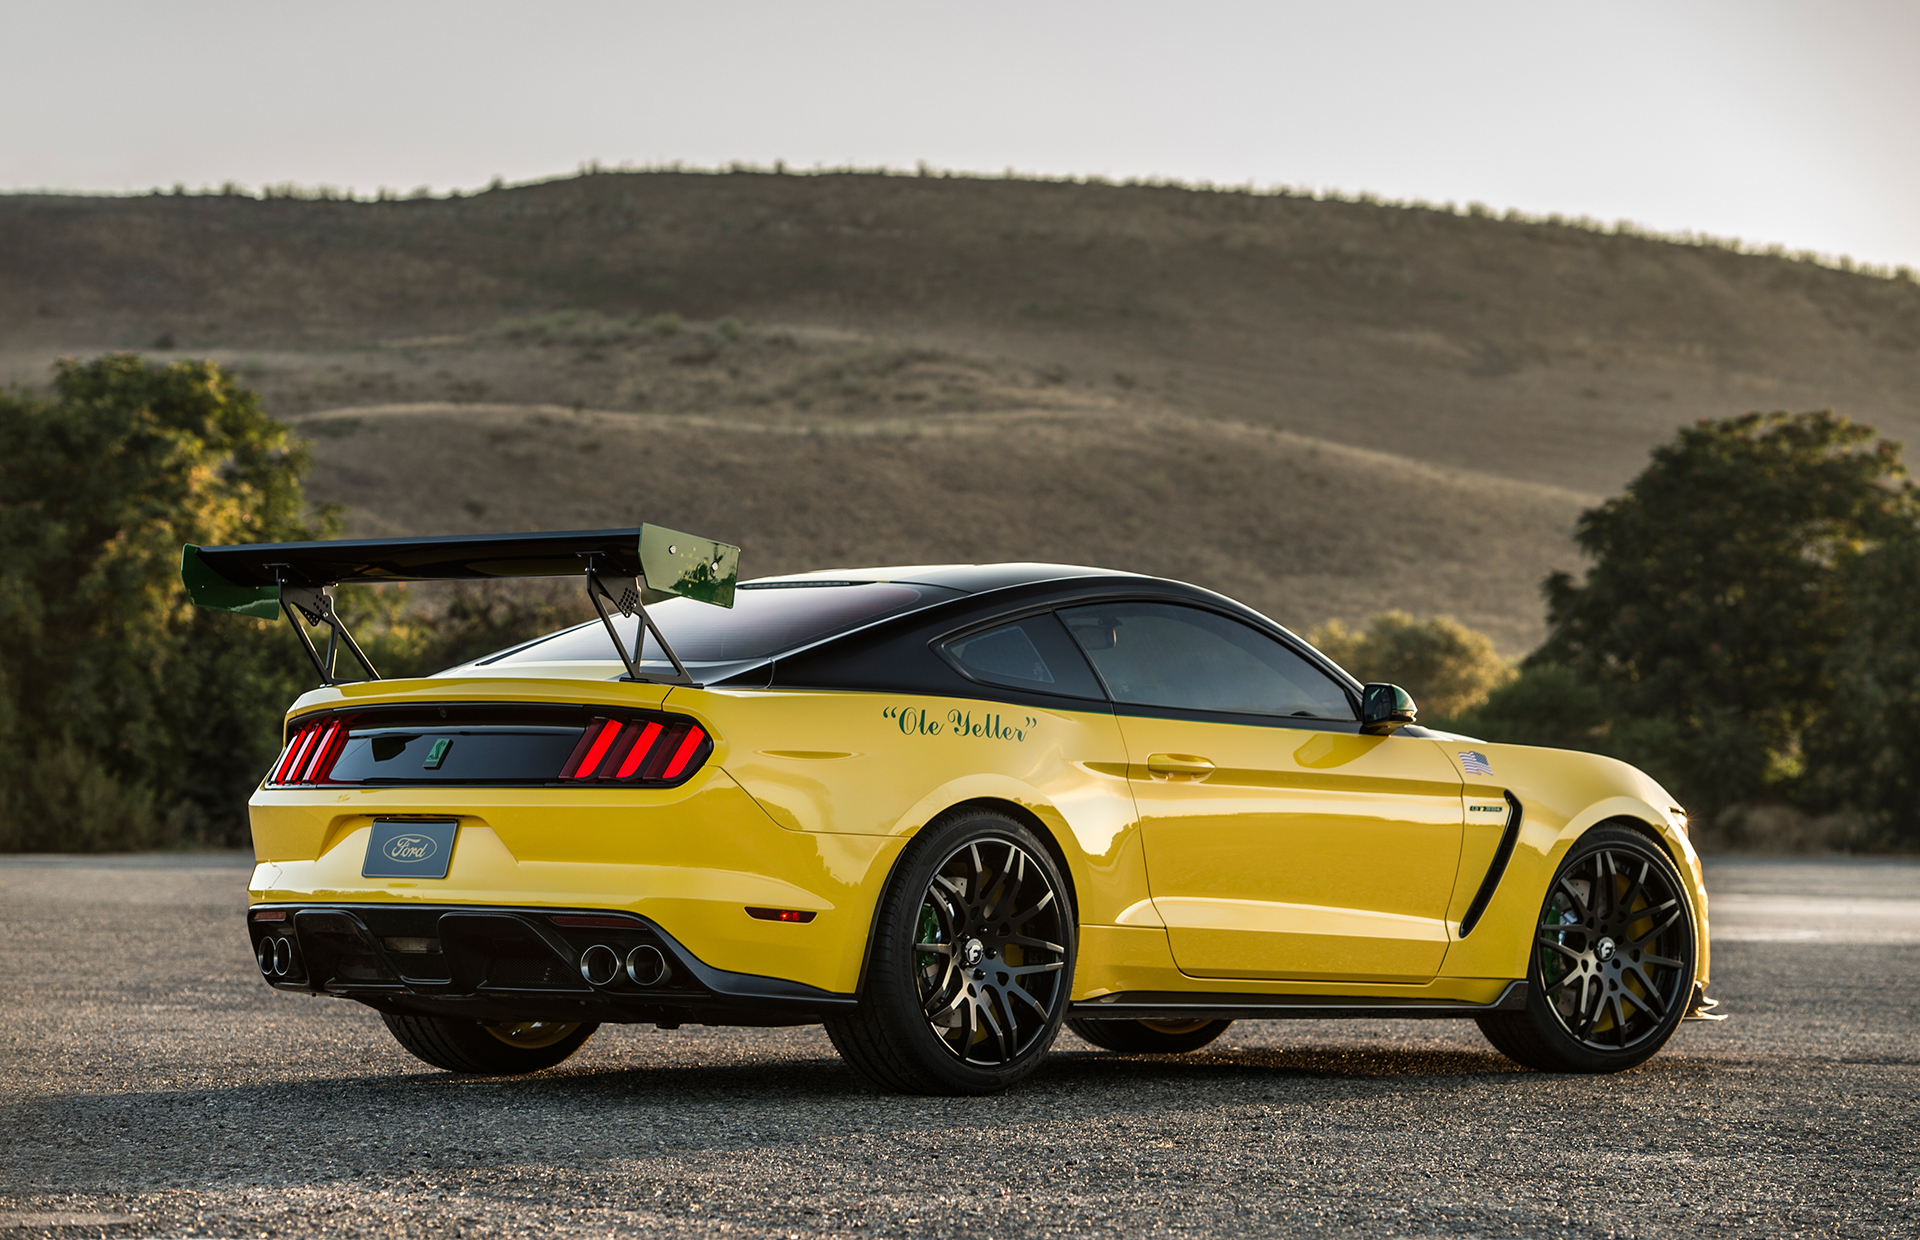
(400, 848)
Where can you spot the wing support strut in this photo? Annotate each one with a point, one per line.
(315, 604)
(296, 579)
(631, 601)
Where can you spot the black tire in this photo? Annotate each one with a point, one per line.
(971, 964)
(1611, 966)
(1149, 1037)
(492, 1049)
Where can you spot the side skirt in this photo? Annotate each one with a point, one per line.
(1175, 1005)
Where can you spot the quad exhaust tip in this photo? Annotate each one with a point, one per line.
(275, 957)
(646, 966)
(599, 965)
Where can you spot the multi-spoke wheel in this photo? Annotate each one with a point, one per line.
(971, 964)
(1149, 1037)
(1612, 960)
(470, 1046)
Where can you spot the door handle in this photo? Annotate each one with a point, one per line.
(1174, 765)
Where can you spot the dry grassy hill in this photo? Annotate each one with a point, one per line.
(1326, 408)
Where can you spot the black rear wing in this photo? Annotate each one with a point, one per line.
(621, 569)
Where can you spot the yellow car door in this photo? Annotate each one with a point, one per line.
(1280, 841)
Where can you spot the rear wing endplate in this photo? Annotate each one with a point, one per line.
(623, 569)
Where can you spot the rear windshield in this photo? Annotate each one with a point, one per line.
(765, 619)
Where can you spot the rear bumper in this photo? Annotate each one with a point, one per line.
(509, 964)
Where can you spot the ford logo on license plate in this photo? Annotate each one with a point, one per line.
(409, 848)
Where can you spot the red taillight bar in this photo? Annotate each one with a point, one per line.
(296, 750)
(590, 762)
(311, 767)
(684, 754)
(638, 753)
(330, 751)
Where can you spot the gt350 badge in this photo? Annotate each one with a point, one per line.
(963, 724)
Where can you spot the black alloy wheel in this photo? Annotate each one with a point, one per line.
(1612, 961)
(1149, 1037)
(971, 964)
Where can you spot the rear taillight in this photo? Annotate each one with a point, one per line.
(638, 751)
(383, 746)
(327, 752)
(311, 753)
(296, 750)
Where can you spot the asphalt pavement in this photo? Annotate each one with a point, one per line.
(151, 1085)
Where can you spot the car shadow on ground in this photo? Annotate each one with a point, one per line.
(612, 1114)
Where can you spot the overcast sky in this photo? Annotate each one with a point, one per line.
(1774, 122)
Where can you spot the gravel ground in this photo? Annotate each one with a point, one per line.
(151, 1085)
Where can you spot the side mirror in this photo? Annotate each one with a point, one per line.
(1384, 708)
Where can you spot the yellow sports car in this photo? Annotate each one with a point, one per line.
(942, 810)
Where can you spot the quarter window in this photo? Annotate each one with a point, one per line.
(1034, 654)
(1160, 654)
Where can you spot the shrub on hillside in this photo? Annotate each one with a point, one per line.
(127, 717)
(1541, 706)
(1446, 666)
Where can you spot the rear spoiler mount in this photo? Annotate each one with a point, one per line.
(621, 569)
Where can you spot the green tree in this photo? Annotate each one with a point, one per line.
(1447, 666)
(1861, 756)
(128, 717)
(1719, 593)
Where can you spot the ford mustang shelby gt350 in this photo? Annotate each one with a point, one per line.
(943, 810)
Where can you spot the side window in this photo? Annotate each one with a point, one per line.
(1162, 654)
(1034, 654)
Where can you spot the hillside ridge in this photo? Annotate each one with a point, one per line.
(1127, 339)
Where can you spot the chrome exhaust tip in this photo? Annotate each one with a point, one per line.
(282, 957)
(599, 965)
(263, 956)
(646, 966)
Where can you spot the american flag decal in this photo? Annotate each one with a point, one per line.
(1475, 763)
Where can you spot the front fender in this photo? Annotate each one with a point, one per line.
(1563, 794)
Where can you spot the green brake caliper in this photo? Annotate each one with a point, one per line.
(1553, 965)
(931, 965)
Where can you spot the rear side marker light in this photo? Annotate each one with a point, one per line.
(272, 914)
(781, 914)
